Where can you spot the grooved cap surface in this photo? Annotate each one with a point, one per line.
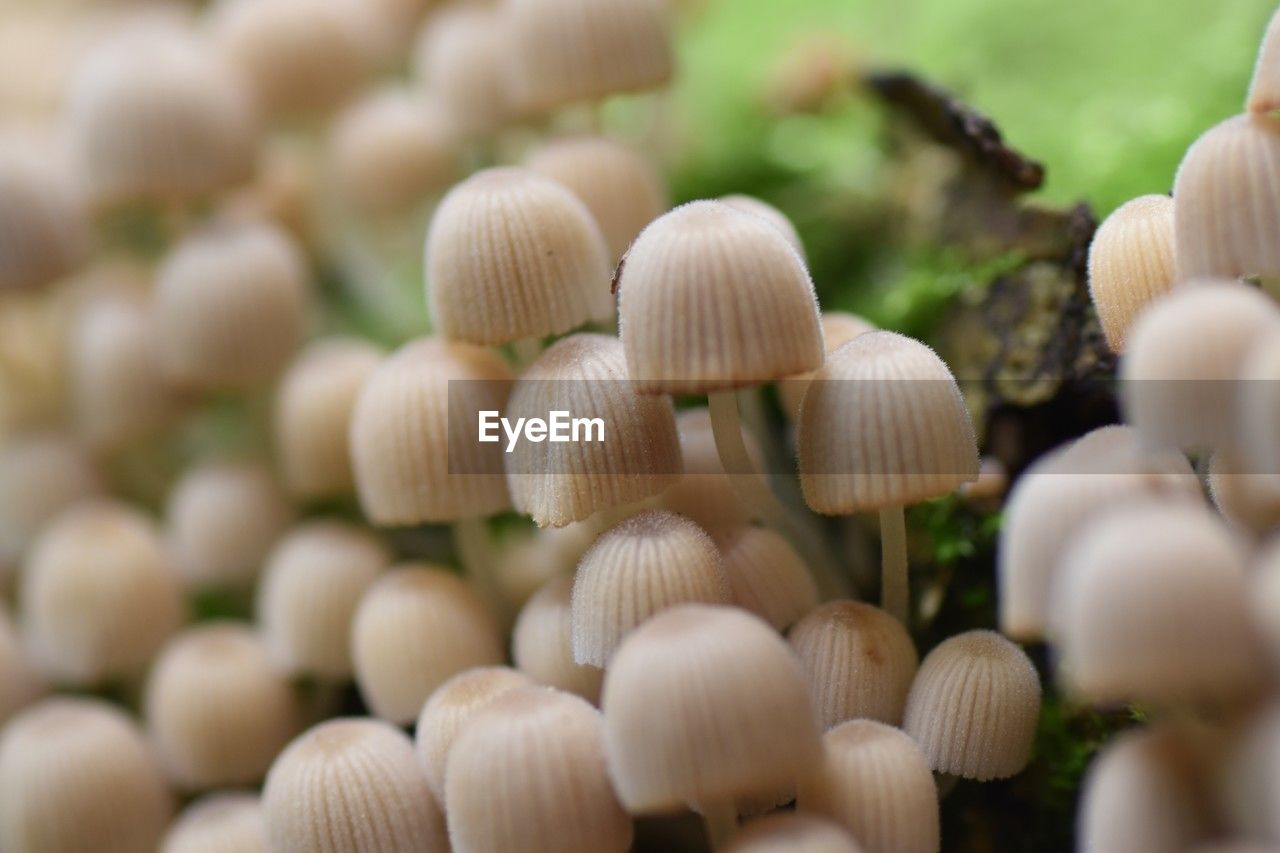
(459, 61)
(1131, 263)
(767, 576)
(838, 328)
(219, 823)
(44, 230)
(542, 645)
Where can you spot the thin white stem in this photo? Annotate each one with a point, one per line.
(894, 590)
(721, 821)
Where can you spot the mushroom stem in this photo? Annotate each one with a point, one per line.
(894, 591)
(471, 542)
(721, 821)
(758, 499)
(527, 351)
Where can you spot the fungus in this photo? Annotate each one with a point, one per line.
(838, 328)
(1131, 263)
(219, 823)
(793, 832)
(458, 62)
(44, 230)
(775, 217)
(704, 492)
(41, 474)
(767, 576)
(542, 644)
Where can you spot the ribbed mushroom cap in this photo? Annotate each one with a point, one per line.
(44, 232)
(458, 61)
(118, 391)
(635, 455)
(713, 298)
(1150, 606)
(793, 832)
(874, 780)
(351, 784)
(704, 492)
(619, 185)
(1056, 496)
(391, 151)
(1264, 89)
(313, 409)
(230, 305)
(300, 58)
(312, 584)
(1131, 263)
(858, 661)
(1227, 200)
(1141, 796)
(838, 328)
(767, 576)
(705, 704)
(219, 823)
(974, 705)
(415, 462)
(1181, 366)
(40, 475)
(542, 644)
(223, 518)
(76, 775)
(511, 254)
(649, 562)
(570, 50)
(216, 709)
(528, 773)
(153, 114)
(285, 189)
(20, 685)
(1248, 498)
(1258, 416)
(98, 594)
(450, 709)
(771, 214)
(883, 424)
(414, 629)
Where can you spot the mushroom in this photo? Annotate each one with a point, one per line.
(1258, 414)
(875, 782)
(313, 408)
(1131, 263)
(528, 773)
(645, 564)
(307, 598)
(883, 425)
(351, 784)
(767, 576)
(706, 706)
(223, 518)
(1247, 498)
(414, 629)
(635, 454)
(1264, 88)
(216, 709)
(230, 305)
(45, 230)
(98, 595)
(858, 661)
(76, 775)
(1263, 597)
(793, 832)
(1241, 767)
(41, 474)
(776, 218)
(458, 62)
(219, 823)
(838, 328)
(450, 709)
(974, 706)
(542, 643)
(20, 684)
(704, 493)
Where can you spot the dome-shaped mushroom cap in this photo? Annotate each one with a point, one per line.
(450, 709)
(712, 299)
(1056, 496)
(153, 114)
(528, 773)
(40, 475)
(874, 780)
(44, 232)
(1227, 199)
(645, 564)
(313, 408)
(767, 576)
(1140, 795)
(542, 644)
(570, 50)
(1131, 263)
(771, 214)
(1247, 497)
(76, 775)
(312, 583)
(618, 184)
(883, 424)
(351, 784)
(1243, 773)
(511, 254)
(222, 520)
(705, 704)
(414, 629)
(858, 661)
(838, 328)
(458, 61)
(1258, 417)
(974, 705)
(633, 455)
(1150, 606)
(219, 823)
(1264, 88)
(1179, 374)
(95, 570)
(230, 305)
(704, 493)
(793, 832)
(413, 460)
(391, 150)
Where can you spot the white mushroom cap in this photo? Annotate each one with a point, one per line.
(219, 823)
(542, 643)
(793, 832)
(1131, 263)
(767, 575)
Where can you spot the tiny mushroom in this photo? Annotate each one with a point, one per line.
(542, 643)
(1131, 263)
